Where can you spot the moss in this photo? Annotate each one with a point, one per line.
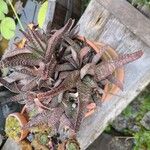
(141, 2)
(142, 104)
(127, 112)
(13, 128)
(142, 140)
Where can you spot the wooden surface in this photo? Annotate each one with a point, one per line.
(130, 17)
(112, 25)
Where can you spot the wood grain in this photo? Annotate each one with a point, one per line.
(130, 17)
(102, 25)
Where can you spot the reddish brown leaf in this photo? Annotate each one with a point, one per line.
(84, 51)
(105, 69)
(10, 86)
(87, 69)
(68, 83)
(115, 81)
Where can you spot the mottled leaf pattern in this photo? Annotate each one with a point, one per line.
(115, 81)
(11, 86)
(60, 76)
(68, 83)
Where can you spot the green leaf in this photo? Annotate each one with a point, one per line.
(2, 16)
(3, 7)
(42, 14)
(8, 28)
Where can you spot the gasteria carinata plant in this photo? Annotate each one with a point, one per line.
(60, 76)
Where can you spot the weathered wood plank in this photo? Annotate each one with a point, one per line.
(102, 25)
(130, 17)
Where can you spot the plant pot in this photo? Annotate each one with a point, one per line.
(109, 89)
(22, 121)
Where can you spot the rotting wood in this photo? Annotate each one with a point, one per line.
(102, 25)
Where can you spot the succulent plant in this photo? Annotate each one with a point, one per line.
(59, 75)
(70, 144)
(13, 128)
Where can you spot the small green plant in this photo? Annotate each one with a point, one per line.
(13, 128)
(72, 145)
(141, 2)
(7, 24)
(127, 112)
(41, 136)
(142, 140)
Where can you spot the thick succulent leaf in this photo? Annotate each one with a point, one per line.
(51, 66)
(45, 83)
(54, 118)
(84, 51)
(32, 43)
(87, 69)
(75, 56)
(72, 43)
(30, 85)
(17, 52)
(105, 69)
(127, 58)
(35, 41)
(74, 32)
(115, 81)
(40, 45)
(27, 71)
(98, 56)
(84, 96)
(64, 67)
(71, 61)
(90, 82)
(50, 117)
(17, 98)
(10, 86)
(66, 129)
(63, 75)
(56, 39)
(19, 60)
(68, 83)
(37, 120)
(42, 35)
(64, 121)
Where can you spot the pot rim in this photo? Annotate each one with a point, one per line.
(22, 120)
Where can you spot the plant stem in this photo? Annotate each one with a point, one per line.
(21, 26)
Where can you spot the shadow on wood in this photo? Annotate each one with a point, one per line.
(111, 24)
